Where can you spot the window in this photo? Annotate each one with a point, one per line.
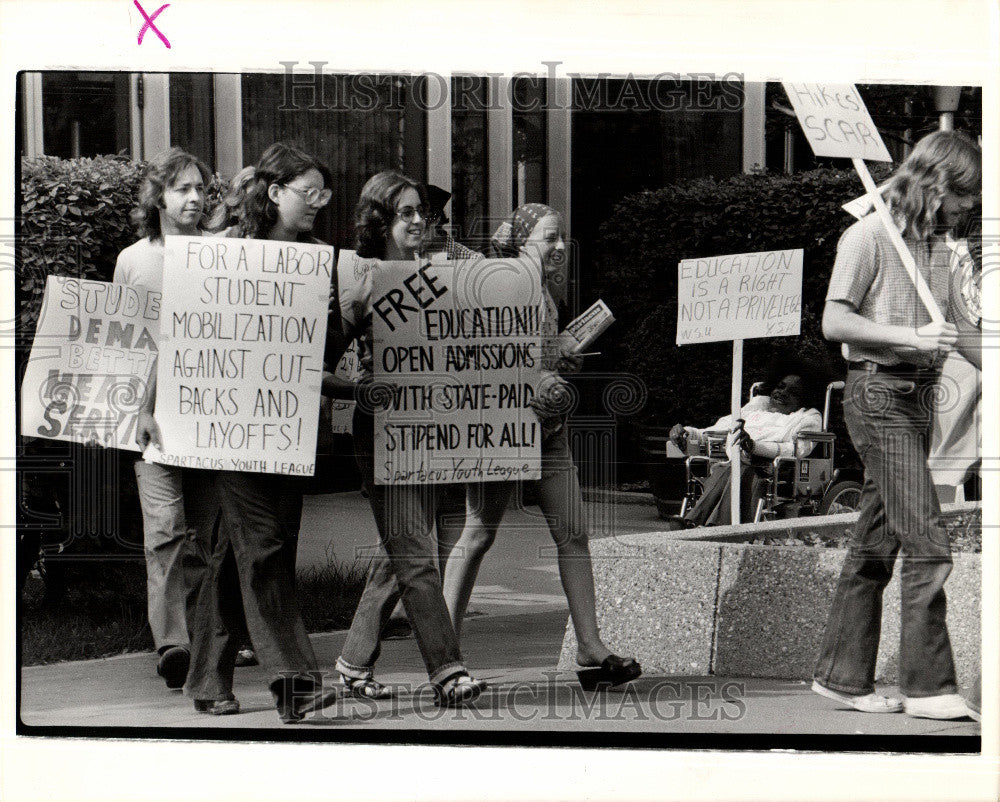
(192, 119)
(85, 113)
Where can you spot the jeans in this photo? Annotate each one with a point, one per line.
(404, 515)
(889, 418)
(179, 511)
(248, 592)
(363, 645)
(712, 507)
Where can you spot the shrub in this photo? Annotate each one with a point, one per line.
(74, 222)
(650, 232)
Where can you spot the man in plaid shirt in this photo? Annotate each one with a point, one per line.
(894, 352)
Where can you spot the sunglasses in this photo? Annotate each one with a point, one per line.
(407, 213)
(312, 196)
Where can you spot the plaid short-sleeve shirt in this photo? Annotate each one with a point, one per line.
(869, 275)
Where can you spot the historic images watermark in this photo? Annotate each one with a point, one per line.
(320, 90)
(553, 701)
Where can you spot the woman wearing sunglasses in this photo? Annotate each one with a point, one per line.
(391, 220)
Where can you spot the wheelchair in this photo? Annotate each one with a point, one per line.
(796, 486)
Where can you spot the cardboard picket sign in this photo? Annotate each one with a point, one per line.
(457, 352)
(836, 122)
(739, 296)
(242, 336)
(351, 271)
(342, 410)
(94, 348)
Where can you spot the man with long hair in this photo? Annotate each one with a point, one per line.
(894, 353)
(178, 506)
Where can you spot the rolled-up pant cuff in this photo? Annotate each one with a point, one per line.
(353, 671)
(849, 690)
(446, 671)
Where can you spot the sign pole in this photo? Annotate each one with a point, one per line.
(923, 291)
(734, 447)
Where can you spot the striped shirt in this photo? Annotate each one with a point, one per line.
(869, 276)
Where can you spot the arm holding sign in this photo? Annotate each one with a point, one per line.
(147, 430)
(841, 323)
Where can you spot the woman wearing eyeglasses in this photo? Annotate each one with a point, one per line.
(250, 587)
(391, 220)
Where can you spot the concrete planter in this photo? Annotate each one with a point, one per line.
(736, 609)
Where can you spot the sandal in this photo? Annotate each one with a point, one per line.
(365, 687)
(614, 670)
(866, 703)
(217, 707)
(457, 690)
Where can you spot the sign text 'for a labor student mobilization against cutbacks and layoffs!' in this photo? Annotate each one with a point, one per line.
(458, 352)
(94, 347)
(242, 338)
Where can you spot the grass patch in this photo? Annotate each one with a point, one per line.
(103, 610)
(101, 613)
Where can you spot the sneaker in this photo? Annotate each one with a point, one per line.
(867, 703)
(944, 706)
(173, 666)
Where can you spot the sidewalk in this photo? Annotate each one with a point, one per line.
(514, 653)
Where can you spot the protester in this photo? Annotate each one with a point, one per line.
(450, 516)
(894, 352)
(250, 586)
(179, 507)
(768, 427)
(391, 219)
(533, 234)
(958, 410)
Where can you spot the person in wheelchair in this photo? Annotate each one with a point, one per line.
(768, 425)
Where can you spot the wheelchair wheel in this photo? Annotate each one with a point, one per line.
(841, 497)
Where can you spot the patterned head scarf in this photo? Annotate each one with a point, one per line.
(515, 230)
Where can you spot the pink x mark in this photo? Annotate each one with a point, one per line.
(149, 22)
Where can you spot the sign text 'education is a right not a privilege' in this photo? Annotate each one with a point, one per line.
(739, 296)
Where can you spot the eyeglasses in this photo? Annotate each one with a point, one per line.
(407, 213)
(312, 196)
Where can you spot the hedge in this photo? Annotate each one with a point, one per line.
(636, 274)
(75, 222)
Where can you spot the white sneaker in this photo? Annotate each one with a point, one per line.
(944, 706)
(869, 703)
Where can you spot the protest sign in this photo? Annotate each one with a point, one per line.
(739, 297)
(241, 353)
(94, 348)
(457, 347)
(836, 122)
(342, 411)
(351, 273)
